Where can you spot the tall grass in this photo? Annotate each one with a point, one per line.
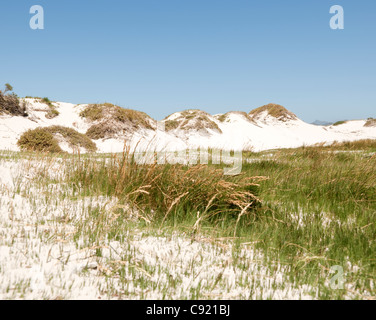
(163, 190)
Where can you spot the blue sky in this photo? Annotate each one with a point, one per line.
(163, 56)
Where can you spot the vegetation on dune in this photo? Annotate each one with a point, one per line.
(45, 140)
(111, 120)
(274, 110)
(136, 118)
(74, 138)
(224, 117)
(191, 120)
(95, 112)
(338, 123)
(10, 104)
(371, 122)
(52, 112)
(102, 131)
(92, 112)
(171, 125)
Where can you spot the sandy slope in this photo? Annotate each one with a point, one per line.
(238, 132)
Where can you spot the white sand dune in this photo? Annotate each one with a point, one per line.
(236, 132)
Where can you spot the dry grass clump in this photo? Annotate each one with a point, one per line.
(102, 131)
(370, 122)
(171, 125)
(163, 190)
(110, 120)
(222, 117)
(136, 118)
(192, 120)
(45, 139)
(274, 110)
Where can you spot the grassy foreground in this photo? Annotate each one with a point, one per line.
(319, 214)
(308, 213)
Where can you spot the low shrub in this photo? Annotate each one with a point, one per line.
(45, 140)
(38, 139)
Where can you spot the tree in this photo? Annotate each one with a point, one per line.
(8, 87)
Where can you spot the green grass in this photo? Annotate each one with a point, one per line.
(318, 186)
